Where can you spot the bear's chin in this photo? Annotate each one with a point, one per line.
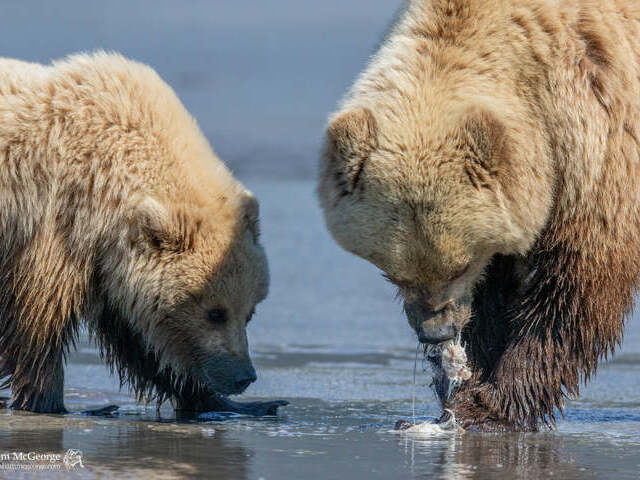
(225, 376)
(217, 385)
(435, 328)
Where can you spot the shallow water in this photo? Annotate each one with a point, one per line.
(331, 340)
(261, 77)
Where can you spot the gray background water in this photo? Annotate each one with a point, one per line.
(261, 78)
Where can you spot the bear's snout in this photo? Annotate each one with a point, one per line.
(227, 374)
(435, 326)
(244, 378)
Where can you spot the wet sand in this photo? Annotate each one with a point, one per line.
(331, 340)
(261, 79)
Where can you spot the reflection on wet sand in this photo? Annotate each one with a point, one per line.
(496, 456)
(129, 449)
(317, 438)
(346, 367)
(261, 77)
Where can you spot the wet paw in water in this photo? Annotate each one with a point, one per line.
(102, 412)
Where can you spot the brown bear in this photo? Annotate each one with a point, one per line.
(488, 162)
(116, 214)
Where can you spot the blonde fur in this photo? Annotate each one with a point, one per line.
(502, 188)
(114, 210)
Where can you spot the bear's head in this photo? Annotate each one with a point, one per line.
(430, 200)
(187, 283)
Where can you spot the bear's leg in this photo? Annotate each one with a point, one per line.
(51, 398)
(42, 394)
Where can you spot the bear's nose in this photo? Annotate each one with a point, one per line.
(432, 326)
(431, 332)
(244, 379)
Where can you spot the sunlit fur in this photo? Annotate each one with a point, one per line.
(489, 156)
(115, 212)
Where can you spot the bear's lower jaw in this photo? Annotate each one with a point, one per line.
(222, 387)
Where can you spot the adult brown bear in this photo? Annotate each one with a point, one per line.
(488, 161)
(115, 212)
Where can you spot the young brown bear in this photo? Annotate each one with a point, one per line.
(117, 214)
(488, 161)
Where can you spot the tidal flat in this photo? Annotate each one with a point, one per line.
(261, 78)
(332, 341)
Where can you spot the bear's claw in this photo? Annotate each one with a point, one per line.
(101, 412)
(187, 405)
(256, 409)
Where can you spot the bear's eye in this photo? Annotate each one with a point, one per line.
(251, 314)
(217, 316)
(459, 274)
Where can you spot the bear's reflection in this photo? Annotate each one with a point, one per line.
(483, 456)
(141, 448)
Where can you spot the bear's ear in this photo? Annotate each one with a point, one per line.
(153, 224)
(484, 140)
(251, 215)
(351, 138)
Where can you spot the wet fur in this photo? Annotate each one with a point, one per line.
(542, 323)
(563, 78)
(108, 187)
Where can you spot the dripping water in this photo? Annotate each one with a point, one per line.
(415, 367)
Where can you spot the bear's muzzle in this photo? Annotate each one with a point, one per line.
(436, 326)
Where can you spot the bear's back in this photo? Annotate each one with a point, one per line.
(109, 116)
(17, 75)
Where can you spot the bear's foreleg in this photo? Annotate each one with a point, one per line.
(37, 392)
(42, 297)
(472, 413)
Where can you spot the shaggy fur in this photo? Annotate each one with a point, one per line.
(500, 185)
(115, 212)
